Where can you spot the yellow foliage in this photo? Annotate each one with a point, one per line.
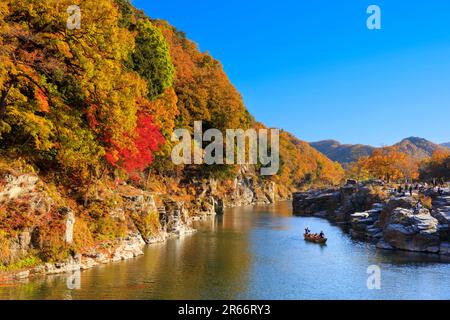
(5, 252)
(387, 163)
(82, 235)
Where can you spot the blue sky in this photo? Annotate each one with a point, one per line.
(314, 69)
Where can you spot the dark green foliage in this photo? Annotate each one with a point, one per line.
(151, 59)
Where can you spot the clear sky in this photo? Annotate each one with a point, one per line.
(313, 68)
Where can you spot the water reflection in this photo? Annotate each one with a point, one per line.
(252, 253)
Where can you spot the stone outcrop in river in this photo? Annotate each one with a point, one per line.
(412, 230)
(377, 214)
(338, 204)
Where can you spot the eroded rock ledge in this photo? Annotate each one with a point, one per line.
(26, 197)
(376, 213)
(33, 214)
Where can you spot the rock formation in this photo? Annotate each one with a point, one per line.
(44, 219)
(377, 214)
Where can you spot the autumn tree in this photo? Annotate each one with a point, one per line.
(303, 166)
(438, 166)
(203, 88)
(151, 58)
(385, 163)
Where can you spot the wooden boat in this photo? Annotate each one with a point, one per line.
(315, 238)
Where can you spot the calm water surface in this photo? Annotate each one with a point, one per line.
(252, 253)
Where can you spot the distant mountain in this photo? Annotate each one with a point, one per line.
(418, 148)
(342, 153)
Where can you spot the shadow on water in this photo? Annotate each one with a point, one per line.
(252, 253)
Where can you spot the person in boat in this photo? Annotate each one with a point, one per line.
(307, 231)
(321, 235)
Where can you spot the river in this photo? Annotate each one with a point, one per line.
(252, 253)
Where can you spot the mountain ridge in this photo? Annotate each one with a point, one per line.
(416, 147)
(342, 153)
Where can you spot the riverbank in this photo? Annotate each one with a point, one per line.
(253, 252)
(49, 233)
(376, 213)
(145, 223)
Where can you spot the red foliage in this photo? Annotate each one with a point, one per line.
(42, 101)
(148, 139)
(90, 114)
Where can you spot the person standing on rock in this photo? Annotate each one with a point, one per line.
(418, 206)
(411, 190)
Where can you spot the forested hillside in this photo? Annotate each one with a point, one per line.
(342, 153)
(418, 148)
(108, 96)
(90, 112)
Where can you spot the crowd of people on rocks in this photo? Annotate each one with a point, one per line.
(438, 185)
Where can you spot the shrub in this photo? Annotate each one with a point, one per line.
(426, 201)
(103, 226)
(5, 252)
(148, 224)
(53, 245)
(82, 235)
(27, 262)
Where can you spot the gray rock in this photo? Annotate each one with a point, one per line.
(22, 275)
(445, 248)
(384, 245)
(413, 232)
(392, 204)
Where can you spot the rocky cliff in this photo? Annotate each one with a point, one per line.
(38, 229)
(44, 231)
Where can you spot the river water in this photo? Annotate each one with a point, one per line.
(252, 253)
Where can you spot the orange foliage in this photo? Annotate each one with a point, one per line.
(303, 166)
(203, 88)
(438, 166)
(41, 101)
(388, 164)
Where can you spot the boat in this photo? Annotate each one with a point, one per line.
(315, 238)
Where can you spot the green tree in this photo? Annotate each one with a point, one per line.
(151, 58)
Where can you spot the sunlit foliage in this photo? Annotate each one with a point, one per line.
(436, 167)
(387, 163)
